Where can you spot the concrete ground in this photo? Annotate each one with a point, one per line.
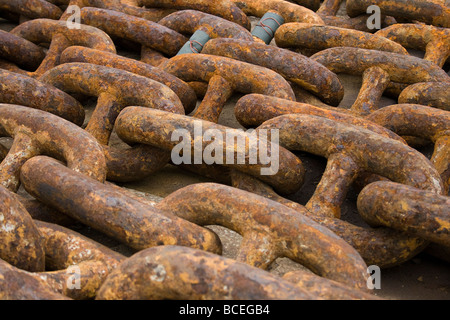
(422, 278)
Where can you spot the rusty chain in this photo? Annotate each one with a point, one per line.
(193, 57)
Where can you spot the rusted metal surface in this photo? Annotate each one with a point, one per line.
(138, 30)
(433, 94)
(155, 127)
(38, 132)
(33, 9)
(269, 230)
(187, 22)
(155, 274)
(290, 12)
(22, 242)
(20, 51)
(414, 211)
(434, 41)
(16, 284)
(325, 288)
(329, 7)
(294, 67)
(26, 91)
(350, 150)
(254, 109)
(227, 73)
(430, 12)
(319, 37)
(64, 249)
(60, 37)
(111, 60)
(424, 122)
(380, 246)
(117, 89)
(225, 9)
(108, 210)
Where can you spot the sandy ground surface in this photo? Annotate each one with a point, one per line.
(423, 277)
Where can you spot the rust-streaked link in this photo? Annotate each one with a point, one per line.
(64, 249)
(60, 37)
(115, 90)
(434, 41)
(224, 76)
(155, 127)
(33, 9)
(26, 91)
(22, 243)
(188, 21)
(38, 132)
(139, 30)
(17, 284)
(269, 230)
(155, 274)
(111, 60)
(297, 68)
(320, 37)
(20, 51)
(424, 122)
(380, 246)
(225, 9)
(290, 12)
(433, 94)
(411, 210)
(351, 150)
(108, 210)
(253, 110)
(430, 12)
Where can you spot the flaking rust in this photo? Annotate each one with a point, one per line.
(108, 210)
(270, 230)
(33, 9)
(433, 94)
(408, 209)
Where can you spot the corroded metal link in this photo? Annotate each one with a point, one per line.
(329, 7)
(294, 67)
(64, 249)
(424, 122)
(115, 90)
(188, 21)
(107, 59)
(430, 12)
(254, 109)
(23, 90)
(139, 30)
(351, 150)
(33, 9)
(108, 210)
(17, 284)
(225, 9)
(22, 243)
(20, 51)
(61, 37)
(381, 246)
(434, 41)
(155, 274)
(220, 73)
(325, 288)
(433, 94)
(411, 210)
(319, 37)
(38, 132)
(401, 68)
(270, 230)
(290, 12)
(154, 127)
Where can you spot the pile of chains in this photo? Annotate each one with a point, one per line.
(195, 54)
